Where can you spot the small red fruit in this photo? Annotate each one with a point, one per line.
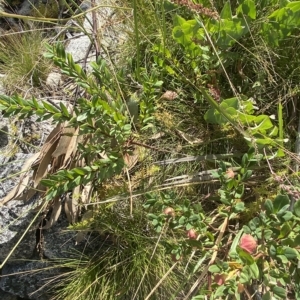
(219, 279)
(192, 234)
(169, 211)
(248, 243)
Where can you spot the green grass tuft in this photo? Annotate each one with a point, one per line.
(22, 61)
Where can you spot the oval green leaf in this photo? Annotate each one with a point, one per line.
(290, 253)
(279, 291)
(279, 202)
(214, 269)
(297, 208)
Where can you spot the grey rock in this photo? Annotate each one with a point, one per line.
(36, 279)
(4, 129)
(29, 279)
(8, 167)
(7, 296)
(2, 88)
(15, 217)
(112, 34)
(27, 6)
(53, 80)
(78, 47)
(3, 136)
(60, 242)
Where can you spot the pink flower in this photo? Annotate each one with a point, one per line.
(192, 234)
(169, 211)
(248, 243)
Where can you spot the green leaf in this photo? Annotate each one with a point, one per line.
(264, 142)
(70, 60)
(287, 216)
(297, 208)
(67, 174)
(78, 69)
(20, 100)
(247, 8)
(271, 34)
(281, 23)
(245, 160)
(77, 180)
(226, 11)
(82, 117)
(279, 202)
(254, 223)
(245, 275)
(194, 243)
(182, 220)
(35, 103)
(48, 55)
(194, 218)
(283, 258)
(290, 253)
(279, 291)
(60, 50)
(269, 207)
(64, 109)
(247, 175)
(199, 263)
(254, 270)
(283, 210)
(152, 216)
(267, 296)
(154, 222)
(245, 256)
(44, 117)
(50, 194)
(285, 230)
(273, 132)
(158, 229)
(48, 182)
(214, 269)
(83, 84)
(239, 192)
(239, 207)
(268, 234)
(188, 226)
(263, 123)
(50, 107)
(25, 110)
(246, 229)
(158, 83)
(218, 115)
(79, 171)
(220, 292)
(229, 31)
(178, 20)
(297, 240)
(230, 102)
(272, 251)
(214, 117)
